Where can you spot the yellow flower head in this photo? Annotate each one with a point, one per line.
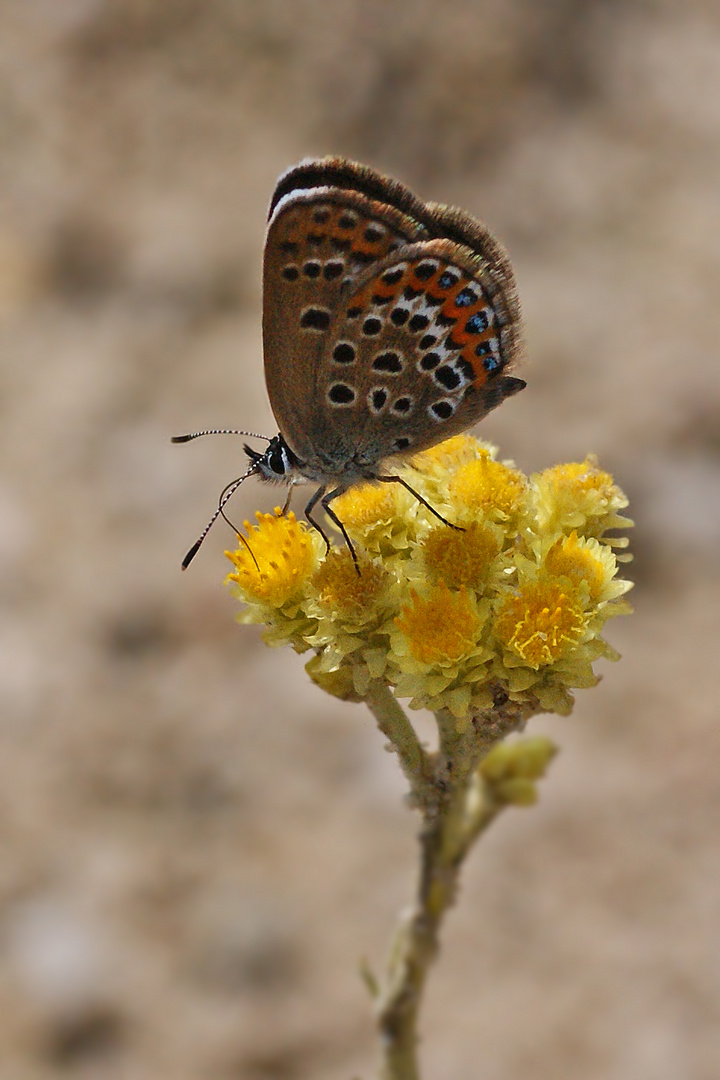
(276, 562)
(512, 601)
(579, 496)
(489, 487)
(363, 506)
(440, 628)
(342, 592)
(447, 455)
(540, 622)
(379, 515)
(586, 562)
(461, 557)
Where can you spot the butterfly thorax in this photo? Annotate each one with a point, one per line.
(280, 465)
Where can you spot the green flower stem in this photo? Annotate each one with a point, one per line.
(413, 951)
(417, 938)
(456, 807)
(480, 809)
(392, 721)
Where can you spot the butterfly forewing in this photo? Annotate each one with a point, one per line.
(320, 241)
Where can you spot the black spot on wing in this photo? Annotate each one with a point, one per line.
(315, 318)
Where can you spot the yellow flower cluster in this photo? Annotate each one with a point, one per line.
(508, 596)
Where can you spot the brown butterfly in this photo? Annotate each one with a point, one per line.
(389, 325)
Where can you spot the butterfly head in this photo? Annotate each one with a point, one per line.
(277, 463)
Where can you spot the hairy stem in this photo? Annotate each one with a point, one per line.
(454, 812)
(417, 938)
(392, 721)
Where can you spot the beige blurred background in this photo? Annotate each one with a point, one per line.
(196, 846)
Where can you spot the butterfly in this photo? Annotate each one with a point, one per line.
(389, 324)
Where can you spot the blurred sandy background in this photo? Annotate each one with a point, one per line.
(197, 846)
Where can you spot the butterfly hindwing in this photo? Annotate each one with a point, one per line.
(416, 353)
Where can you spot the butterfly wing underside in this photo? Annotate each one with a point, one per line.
(320, 240)
(388, 324)
(417, 352)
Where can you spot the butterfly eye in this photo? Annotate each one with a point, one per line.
(276, 461)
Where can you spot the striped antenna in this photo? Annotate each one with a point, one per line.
(216, 431)
(225, 494)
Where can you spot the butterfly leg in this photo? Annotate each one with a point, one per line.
(325, 503)
(325, 500)
(318, 495)
(418, 496)
(286, 505)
